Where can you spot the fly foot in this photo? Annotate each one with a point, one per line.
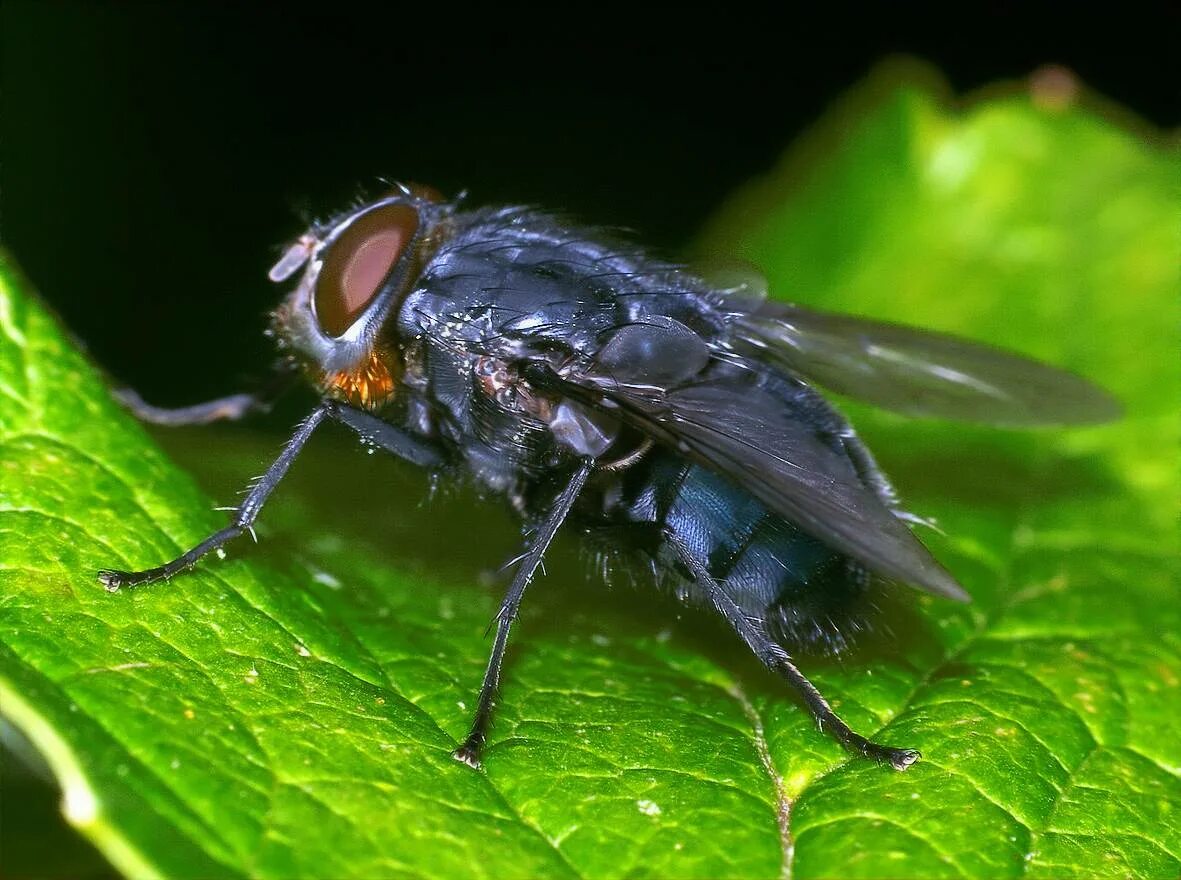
(469, 752)
(113, 579)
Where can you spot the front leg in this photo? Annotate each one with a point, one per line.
(244, 518)
(231, 408)
(384, 435)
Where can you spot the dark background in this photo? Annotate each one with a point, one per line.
(154, 156)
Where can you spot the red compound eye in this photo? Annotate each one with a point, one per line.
(357, 263)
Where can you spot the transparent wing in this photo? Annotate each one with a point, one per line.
(745, 434)
(921, 373)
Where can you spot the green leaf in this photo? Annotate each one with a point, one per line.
(289, 711)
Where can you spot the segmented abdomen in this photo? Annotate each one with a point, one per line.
(808, 593)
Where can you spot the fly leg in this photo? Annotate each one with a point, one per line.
(775, 658)
(384, 435)
(231, 408)
(469, 752)
(245, 516)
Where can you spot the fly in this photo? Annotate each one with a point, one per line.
(598, 386)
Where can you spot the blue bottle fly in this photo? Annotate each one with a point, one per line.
(663, 416)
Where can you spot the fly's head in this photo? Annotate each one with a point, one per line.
(357, 269)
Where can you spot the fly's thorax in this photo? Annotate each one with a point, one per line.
(337, 323)
(527, 425)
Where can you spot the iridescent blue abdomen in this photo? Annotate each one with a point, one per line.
(771, 569)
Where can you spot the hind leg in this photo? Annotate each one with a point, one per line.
(775, 658)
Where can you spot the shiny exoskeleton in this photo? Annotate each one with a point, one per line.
(566, 302)
(588, 382)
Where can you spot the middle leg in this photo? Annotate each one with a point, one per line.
(469, 752)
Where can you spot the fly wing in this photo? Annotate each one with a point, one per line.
(745, 433)
(921, 373)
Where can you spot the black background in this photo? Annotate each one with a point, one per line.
(154, 156)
